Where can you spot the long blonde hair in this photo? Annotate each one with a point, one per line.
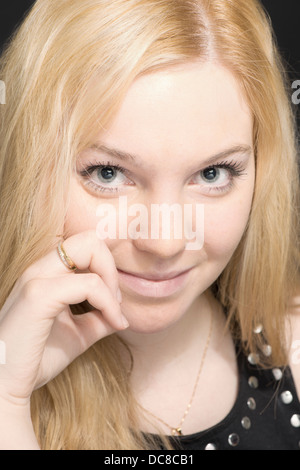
(64, 55)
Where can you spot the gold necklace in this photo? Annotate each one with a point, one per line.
(177, 431)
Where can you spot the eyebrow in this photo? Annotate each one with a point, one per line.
(122, 155)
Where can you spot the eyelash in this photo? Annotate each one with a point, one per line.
(236, 170)
(91, 167)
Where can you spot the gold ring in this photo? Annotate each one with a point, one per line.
(65, 258)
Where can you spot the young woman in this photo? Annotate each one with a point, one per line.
(138, 340)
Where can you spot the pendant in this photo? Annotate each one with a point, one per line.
(176, 432)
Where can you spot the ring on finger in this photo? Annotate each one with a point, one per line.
(68, 262)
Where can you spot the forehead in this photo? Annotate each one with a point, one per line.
(195, 109)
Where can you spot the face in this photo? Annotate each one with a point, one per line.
(182, 136)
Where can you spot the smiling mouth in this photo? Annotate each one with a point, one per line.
(157, 277)
(154, 284)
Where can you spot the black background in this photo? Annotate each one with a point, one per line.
(285, 16)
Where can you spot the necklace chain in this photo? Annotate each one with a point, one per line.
(177, 431)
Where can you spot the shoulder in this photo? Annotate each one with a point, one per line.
(293, 330)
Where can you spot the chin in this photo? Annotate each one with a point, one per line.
(153, 318)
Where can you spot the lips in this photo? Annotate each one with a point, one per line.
(154, 284)
(156, 276)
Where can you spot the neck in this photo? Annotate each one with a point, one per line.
(153, 352)
(167, 366)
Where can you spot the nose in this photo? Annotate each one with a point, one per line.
(160, 248)
(164, 236)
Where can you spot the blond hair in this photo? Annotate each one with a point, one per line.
(65, 54)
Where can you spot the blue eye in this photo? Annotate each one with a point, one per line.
(219, 177)
(210, 174)
(112, 178)
(107, 173)
(105, 178)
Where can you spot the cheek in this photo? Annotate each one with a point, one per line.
(81, 214)
(224, 227)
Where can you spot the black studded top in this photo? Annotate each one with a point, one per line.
(265, 416)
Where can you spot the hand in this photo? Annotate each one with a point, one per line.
(41, 334)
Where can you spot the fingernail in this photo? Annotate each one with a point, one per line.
(119, 296)
(124, 321)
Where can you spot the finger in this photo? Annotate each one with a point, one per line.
(70, 337)
(76, 333)
(45, 298)
(87, 252)
(92, 327)
(32, 320)
(37, 313)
